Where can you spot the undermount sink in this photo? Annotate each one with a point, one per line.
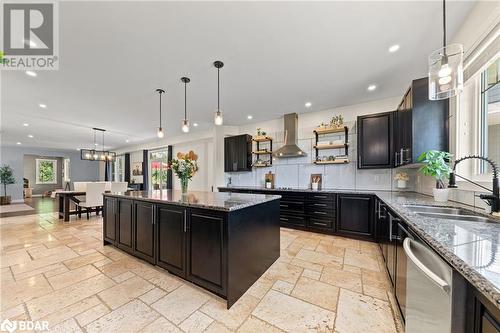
(448, 213)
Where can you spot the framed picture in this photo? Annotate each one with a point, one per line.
(137, 169)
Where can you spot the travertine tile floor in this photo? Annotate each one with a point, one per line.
(60, 272)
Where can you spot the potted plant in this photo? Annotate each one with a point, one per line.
(184, 167)
(401, 178)
(6, 178)
(436, 164)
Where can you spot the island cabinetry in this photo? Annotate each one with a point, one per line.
(171, 240)
(109, 224)
(213, 248)
(125, 226)
(144, 231)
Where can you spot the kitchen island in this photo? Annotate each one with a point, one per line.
(222, 242)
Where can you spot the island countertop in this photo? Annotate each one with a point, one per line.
(200, 199)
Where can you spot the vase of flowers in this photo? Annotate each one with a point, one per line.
(185, 167)
(436, 164)
(401, 178)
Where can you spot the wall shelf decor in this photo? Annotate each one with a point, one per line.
(322, 145)
(260, 151)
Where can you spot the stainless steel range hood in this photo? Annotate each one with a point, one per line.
(290, 149)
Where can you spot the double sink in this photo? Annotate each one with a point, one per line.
(449, 213)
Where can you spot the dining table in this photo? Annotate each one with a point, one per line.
(65, 198)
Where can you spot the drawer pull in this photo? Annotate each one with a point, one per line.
(320, 205)
(283, 219)
(320, 196)
(321, 213)
(286, 206)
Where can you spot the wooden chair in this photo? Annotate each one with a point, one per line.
(93, 199)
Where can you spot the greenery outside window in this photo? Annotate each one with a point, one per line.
(158, 164)
(489, 118)
(46, 171)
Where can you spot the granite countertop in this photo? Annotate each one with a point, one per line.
(472, 248)
(199, 199)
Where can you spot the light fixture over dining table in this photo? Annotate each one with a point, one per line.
(95, 154)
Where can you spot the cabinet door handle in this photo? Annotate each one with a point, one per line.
(283, 219)
(320, 205)
(379, 209)
(320, 213)
(396, 158)
(153, 214)
(401, 156)
(286, 206)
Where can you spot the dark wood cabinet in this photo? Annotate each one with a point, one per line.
(355, 215)
(238, 153)
(125, 225)
(421, 124)
(109, 223)
(375, 141)
(320, 212)
(482, 315)
(171, 227)
(144, 235)
(205, 250)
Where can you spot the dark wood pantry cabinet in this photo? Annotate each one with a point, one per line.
(375, 141)
(238, 153)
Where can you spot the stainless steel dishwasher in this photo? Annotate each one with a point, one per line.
(435, 293)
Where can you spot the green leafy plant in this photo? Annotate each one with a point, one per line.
(436, 164)
(6, 177)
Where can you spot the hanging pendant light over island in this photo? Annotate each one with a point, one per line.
(159, 132)
(446, 68)
(185, 122)
(218, 118)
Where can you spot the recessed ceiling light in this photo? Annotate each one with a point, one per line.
(96, 144)
(43, 106)
(195, 124)
(127, 141)
(26, 124)
(249, 117)
(31, 73)
(18, 143)
(30, 136)
(394, 48)
(308, 104)
(78, 149)
(372, 87)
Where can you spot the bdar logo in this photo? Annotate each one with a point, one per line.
(8, 325)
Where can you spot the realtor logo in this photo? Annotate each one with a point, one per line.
(30, 35)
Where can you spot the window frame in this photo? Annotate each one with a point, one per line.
(37, 170)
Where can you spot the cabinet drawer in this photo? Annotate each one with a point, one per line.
(321, 213)
(296, 220)
(320, 196)
(320, 205)
(320, 223)
(291, 196)
(291, 206)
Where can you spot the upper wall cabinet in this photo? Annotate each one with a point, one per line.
(238, 153)
(421, 124)
(375, 141)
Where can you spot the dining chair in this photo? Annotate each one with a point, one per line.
(119, 187)
(93, 199)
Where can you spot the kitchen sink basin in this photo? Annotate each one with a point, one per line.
(439, 210)
(449, 213)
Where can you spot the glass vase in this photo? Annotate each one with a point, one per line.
(184, 185)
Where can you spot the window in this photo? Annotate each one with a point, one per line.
(65, 170)
(158, 163)
(46, 171)
(118, 169)
(489, 118)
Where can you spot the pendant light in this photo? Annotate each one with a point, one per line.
(185, 122)
(159, 132)
(446, 68)
(218, 119)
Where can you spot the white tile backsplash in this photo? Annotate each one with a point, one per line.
(287, 175)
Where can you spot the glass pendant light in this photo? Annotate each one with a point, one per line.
(159, 132)
(185, 122)
(218, 119)
(446, 68)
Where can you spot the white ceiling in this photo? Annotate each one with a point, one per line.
(277, 56)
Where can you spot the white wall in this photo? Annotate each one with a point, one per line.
(295, 172)
(203, 179)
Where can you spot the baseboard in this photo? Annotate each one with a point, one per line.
(36, 195)
(18, 201)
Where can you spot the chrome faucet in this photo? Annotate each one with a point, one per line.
(493, 199)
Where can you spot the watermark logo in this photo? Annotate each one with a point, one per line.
(24, 325)
(30, 32)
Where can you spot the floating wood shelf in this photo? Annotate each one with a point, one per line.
(262, 138)
(329, 130)
(342, 145)
(262, 152)
(332, 162)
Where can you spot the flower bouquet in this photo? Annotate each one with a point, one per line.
(184, 167)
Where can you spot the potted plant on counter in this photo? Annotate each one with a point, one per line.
(436, 164)
(185, 167)
(6, 178)
(401, 178)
